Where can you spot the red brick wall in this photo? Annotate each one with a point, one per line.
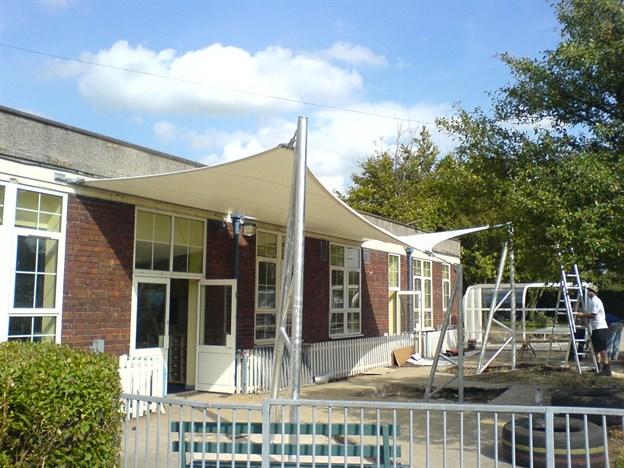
(316, 291)
(98, 279)
(98, 274)
(375, 294)
(220, 265)
(245, 324)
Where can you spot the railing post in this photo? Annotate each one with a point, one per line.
(549, 419)
(266, 433)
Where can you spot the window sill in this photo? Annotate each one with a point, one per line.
(342, 337)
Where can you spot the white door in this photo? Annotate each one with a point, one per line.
(151, 318)
(216, 336)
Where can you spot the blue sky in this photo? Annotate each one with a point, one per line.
(214, 81)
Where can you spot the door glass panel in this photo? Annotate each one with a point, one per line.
(216, 315)
(151, 315)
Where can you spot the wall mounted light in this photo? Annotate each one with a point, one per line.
(249, 229)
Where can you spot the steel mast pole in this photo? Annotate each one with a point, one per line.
(301, 153)
(291, 297)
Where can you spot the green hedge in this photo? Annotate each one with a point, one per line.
(60, 407)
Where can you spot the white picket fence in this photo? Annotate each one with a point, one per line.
(146, 376)
(331, 359)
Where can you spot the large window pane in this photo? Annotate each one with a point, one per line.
(266, 244)
(32, 328)
(265, 326)
(267, 285)
(336, 326)
(345, 317)
(337, 255)
(35, 272)
(393, 271)
(153, 241)
(144, 226)
(423, 312)
(269, 254)
(353, 322)
(143, 255)
(216, 315)
(39, 211)
(180, 258)
(353, 258)
(188, 242)
(161, 255)
(196, 259)
(151, 314)
(162, 228)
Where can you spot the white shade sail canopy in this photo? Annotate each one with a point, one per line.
(427, 241)
(256, 187)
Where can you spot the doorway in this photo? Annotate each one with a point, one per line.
(216, 336)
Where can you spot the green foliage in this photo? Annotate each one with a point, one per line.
(547, 161)
(60, 407)
(391, 182)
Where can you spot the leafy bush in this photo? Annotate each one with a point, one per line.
(59, 406)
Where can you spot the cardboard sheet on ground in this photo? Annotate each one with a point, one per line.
(401, 355)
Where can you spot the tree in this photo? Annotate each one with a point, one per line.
(392, 183)
(548, 159)
(560, 182)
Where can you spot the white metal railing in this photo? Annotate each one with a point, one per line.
(428, 434)
(146, 376)
(332, 359)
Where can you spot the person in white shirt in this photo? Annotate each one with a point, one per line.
(600, 329)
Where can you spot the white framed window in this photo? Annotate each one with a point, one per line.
(422, 282)
(269, 259)
(169, 244)
(32, 246)
(345, 315)
(269, 255)
(446, 285)
(394, 272)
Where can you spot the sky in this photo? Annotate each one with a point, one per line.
(215, 81)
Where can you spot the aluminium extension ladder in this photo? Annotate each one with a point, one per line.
(571, 302)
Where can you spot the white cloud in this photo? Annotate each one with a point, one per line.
(216, 80)
(336, 139)
(354, 54)
(229, 82)
(165, 131)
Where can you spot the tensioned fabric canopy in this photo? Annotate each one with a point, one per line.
(254, 187)
(259, 187)
(425, 242)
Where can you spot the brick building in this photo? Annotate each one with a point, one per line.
(111, 246)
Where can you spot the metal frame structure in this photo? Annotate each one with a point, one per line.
(481, 366)
(291, 301)
(455, 293)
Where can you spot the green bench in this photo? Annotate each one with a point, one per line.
(320, 445)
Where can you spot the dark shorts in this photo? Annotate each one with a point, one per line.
(599, 339)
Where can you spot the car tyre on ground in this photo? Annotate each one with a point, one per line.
(528, 436)
(591, 398)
